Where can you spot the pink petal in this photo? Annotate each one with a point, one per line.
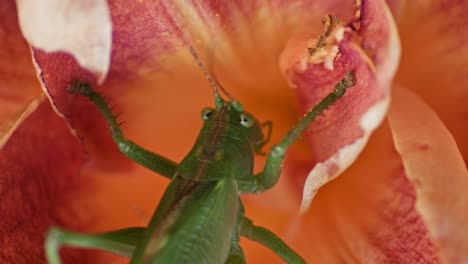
(9, 125)
(437, 171)
(82, 28)
(56, 70)
(39, 184)
(337, 140)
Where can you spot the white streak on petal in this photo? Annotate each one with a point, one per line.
(389, 66)
(328, 61)
(11, 127)
(345, 156)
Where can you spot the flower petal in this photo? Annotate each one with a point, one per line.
(372, 55)
(39, 184)
(435, 60)
(367, 215)
(18, 86)
(437, 171)
(82, 28)
(9, 125)
(56, 71)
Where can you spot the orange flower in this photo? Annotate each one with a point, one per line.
(401, 200)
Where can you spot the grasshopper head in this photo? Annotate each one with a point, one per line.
(233, 113)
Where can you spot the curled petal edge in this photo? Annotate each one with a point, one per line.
(328, 170)
(435, 166)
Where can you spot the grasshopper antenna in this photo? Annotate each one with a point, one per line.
(212, 82)
(211, 71)
(210, 76)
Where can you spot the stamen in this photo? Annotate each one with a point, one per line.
(329, 23)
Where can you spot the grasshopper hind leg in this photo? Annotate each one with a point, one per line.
(236, 254)
(235, 259)
(268, 239)
(121, 242)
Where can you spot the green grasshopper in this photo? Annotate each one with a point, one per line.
(200, 217)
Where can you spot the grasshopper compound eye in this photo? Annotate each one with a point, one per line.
(246, 120)
(206, 113)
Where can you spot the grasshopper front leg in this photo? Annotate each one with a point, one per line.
(272, 170)
(148, 159)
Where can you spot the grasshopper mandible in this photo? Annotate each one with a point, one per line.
(200, 217)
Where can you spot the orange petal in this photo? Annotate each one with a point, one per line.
(18, 85)
(80, 28)
(435, 60)
(372, 54)
(437, 171)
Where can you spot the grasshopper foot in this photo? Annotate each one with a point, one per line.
(345, 83)
(80, 87)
